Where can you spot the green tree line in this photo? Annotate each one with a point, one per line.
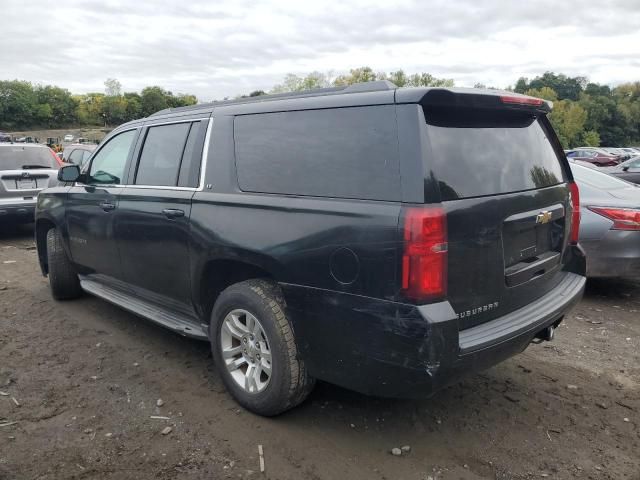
(585, 113)
(27, 106)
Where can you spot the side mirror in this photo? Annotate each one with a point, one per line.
(625, 168)
(69, 173)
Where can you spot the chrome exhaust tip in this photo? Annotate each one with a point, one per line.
(548, 333)
(545, 335)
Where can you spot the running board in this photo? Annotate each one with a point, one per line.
(179, 323)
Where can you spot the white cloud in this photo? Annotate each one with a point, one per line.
(231, 47)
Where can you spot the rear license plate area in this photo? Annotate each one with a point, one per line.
(27, 184)
(532, 242)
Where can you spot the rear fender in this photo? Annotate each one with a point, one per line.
(215, 266)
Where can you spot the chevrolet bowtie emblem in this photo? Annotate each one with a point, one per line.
(544, 217)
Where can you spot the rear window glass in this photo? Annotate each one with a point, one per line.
(477, 152)
(14, 157)
(342, 152)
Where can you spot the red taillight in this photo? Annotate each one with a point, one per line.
(59, 162)
(424, 261)
(623, 218)
(517, 100)
(575, 216)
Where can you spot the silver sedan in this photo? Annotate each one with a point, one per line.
(610, 223)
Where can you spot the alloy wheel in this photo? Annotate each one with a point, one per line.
(246, 351)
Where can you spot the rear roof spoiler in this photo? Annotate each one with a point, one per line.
(473, 98)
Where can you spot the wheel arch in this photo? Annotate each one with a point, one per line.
(218, 274)
(43, 225)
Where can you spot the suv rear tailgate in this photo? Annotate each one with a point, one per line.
(25, 184)
(503, 186)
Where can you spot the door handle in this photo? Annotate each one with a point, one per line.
(172, 213)
(107, 206)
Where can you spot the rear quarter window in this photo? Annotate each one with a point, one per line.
(344, 152)
(476, 152)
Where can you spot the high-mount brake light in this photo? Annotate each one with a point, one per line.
(575, 215)
(517, 100)
(424, 261)
(623, 218)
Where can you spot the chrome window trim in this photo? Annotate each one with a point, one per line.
(150, 125)
(101, 185)
(205, 155)
(161, 187)
(203, 160)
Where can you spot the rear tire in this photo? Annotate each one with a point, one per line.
(63, 278)
(257, 307)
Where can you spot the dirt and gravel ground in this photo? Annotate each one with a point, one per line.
(86, 378)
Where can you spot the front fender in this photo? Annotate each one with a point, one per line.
(50, 213)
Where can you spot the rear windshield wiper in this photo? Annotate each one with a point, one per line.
(27, 167)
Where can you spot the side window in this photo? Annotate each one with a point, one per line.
(76, 157)
(343, 152)
(633, 166)
(85, 156)
(159, 162)
(108, 164)
(192, 157)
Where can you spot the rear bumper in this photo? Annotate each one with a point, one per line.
(615, 255)
(397, 350)
(19, 212)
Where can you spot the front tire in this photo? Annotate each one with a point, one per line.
(254, 348)
(63, 278)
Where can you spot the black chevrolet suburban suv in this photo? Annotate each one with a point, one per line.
(388, 240)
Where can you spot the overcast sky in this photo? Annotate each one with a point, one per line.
(228, 47)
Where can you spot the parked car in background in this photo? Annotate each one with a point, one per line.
(602, 150)
(595, 149)
(628, 170)
(342, 234)
(25, 170)
(5, 137)
(68, 137)
(610, 223)
(77, 153)
(618, 152)
(631, 151)
(596, 157)
(588, 165)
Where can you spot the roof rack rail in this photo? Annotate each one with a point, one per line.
(377, 86)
